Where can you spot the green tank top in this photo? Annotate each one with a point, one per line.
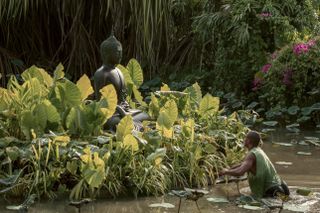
(266, 175)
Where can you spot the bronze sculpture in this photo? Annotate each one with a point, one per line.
(108, 73)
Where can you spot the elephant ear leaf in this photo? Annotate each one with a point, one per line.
(58, 72)
(108, 100)
(130, 141)
(126, 74)
(40, 74)
(208, 105)
(124, 128)
(85, 87)
(135, 72)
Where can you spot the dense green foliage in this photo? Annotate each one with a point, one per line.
(219, 43)
(288, 86)
(53, 140)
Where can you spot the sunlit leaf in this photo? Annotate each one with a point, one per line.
(124, 127)
(135, 72)
(126, 74)
(40, 74)
(109, 95)
(209, 105)
(131, 142)
(58, 72)
(165, 87)
(84, 86)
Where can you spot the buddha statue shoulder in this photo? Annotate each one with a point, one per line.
(108, 73)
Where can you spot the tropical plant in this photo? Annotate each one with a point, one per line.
(289, 83)
(53, 139)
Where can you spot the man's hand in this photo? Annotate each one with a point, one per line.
(223, 172)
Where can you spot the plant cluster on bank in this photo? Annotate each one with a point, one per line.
(53, 138)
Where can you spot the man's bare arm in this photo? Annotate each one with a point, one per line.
(245, 166)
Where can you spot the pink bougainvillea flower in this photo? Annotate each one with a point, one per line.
(311, 43)
(257, 82)
(300, 48)
(287, 77)
(266, 68)
(274, 55)
(265, 14)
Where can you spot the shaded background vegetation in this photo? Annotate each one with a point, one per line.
(220, 44)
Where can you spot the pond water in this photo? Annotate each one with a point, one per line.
(304, 171)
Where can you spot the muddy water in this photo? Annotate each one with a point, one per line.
(304, 171)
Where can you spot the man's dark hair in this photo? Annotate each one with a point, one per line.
(254, 138)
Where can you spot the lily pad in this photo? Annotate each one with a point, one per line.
(218, 200)
(304, 191)
(266, 130)
(270, 123)
(256, 208)
(283, 163)
(163, 205)
(282, 144)
(304, 153)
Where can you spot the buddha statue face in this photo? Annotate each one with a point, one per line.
(111, 51)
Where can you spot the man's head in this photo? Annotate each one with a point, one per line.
(252, 140)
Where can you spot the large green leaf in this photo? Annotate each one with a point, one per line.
(58, 72)
(195, 93)
(67, 94)
(172, 110)
(126, 74)
(124, 127)
(135, 72)
(164, 120)
(131, 142)
(154, 107)
(138, 96)
(5, 99)
(108, 100)
(84, 86)
(40, 74)
(208, 105)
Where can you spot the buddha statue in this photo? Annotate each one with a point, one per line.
(108, 73)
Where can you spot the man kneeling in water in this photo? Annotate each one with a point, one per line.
(262, 176)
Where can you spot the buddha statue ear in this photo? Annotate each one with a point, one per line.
(111, 50)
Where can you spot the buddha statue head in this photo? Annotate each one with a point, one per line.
(111, 51)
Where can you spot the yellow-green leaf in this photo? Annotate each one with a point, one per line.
(188, 129)
(84, 86)
(135, 72)
(124, 127)
(208, 105)
(110, 96)
(138, 96)
(126, 74)
(154, 106)
(164, 120)
(165, 87)
(39, 73)
(58, 72)
(61, 140)
(131, 142)
(172, 110)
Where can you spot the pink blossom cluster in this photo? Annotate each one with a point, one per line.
(256, 83)
(287, 77)
(303, 47)
(265, 14)
(266, 68)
